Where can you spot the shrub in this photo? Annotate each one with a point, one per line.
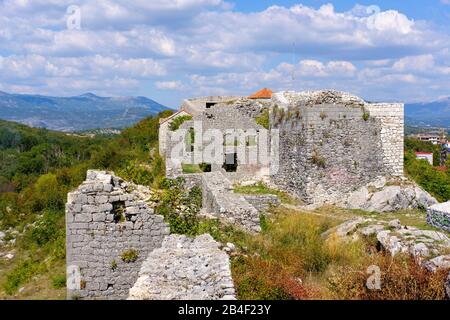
(264, 119)
(318, 160)
(48, 228)
(258, 279)
(178, 121)
(20, 275)
(402, 278)
(180, 206)
(130, 255)
(113, 265)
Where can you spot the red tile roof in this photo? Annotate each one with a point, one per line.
(262, 94)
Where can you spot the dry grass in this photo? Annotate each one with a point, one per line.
(290, 260)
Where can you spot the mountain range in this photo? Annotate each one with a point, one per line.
(84, 112)
(89, 111)
(433, 114)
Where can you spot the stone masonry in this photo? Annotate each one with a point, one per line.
(332, 143)
(221, 202)
(185, 269)
(110, 231)
(439, 216)
(329, 143)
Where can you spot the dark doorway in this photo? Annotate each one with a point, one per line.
(210, 104)
(231, 163)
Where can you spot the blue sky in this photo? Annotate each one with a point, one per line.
(174, 49)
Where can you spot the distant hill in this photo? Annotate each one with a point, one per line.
(434, 114)
(78, 113)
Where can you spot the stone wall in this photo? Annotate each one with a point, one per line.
(237, 114)
(105, 220)
(163, 133)
(263, 202)
(333, 143)
(438, 216)
(185, 269)
(391, 119)
(220, 201)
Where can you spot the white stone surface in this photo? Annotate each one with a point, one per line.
(185, 269)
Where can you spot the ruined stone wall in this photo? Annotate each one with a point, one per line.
(110, 230)
(327, 150)
(235, 115)
(391, 119)
(185, 269)
(220, 201)
(438, 216)
(263, 202)
(163, 132)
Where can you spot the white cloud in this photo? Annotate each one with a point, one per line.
(203, 46)
(169, 85)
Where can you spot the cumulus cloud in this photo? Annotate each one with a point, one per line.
(206, 47)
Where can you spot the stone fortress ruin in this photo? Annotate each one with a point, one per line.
(319, 146)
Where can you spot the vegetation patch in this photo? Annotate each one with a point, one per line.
(180, 206)
(261, 188)
(264, 119)
(178, 121)
(130, 255)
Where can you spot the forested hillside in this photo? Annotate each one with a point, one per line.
(38, 168)
(428, 177)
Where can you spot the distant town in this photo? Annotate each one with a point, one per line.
(437, 137)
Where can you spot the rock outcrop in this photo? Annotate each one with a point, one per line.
(185, 269)
(385, 195)
(396, 238)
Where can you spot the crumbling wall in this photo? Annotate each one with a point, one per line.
(332, 143)
(438, 216)
(220, 201)
(262, 202)
(185, 269)
(390, 116)
(110, 230)
(236, 114)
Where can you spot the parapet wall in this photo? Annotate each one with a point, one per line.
(110, 230)
(391, 117)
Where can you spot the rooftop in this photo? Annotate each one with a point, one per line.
(262, 94)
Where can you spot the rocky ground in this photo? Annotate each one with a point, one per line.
(185, 268)
(386, 195)
(430, 247)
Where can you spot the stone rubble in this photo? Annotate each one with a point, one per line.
(185, 269)
(395, 238)
(221, 202)
(378, 196)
